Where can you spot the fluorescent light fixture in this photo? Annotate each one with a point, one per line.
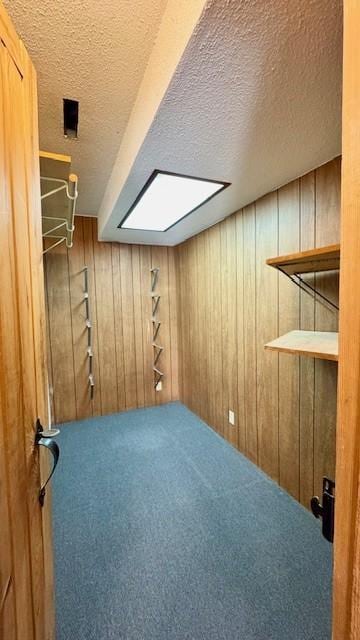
(167, 198)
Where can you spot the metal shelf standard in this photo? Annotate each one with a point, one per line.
(158, 349)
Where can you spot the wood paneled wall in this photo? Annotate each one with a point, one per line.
(120, 302)
(219, 305)
(230, 304)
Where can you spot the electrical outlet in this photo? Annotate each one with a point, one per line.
(159, 386)
(231, 417)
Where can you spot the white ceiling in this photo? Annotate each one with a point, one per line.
(95, 52)
(251, 96)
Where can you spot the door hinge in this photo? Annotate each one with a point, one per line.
(326, 510)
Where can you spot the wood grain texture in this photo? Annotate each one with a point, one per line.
(26, 590)
(248, 303)
(60, 334)
(11, 41)
(316, 344)
(173, 324)
(319, 259)
(289, 366)
(239, 356)
(118, 324)
(159, 258)
(229, 342)
(307, 365)
(11, 364)
(138, 325)
(127, 294)
(327, 202)
(233, 303)
(346, 592)
(105, 318)
(78, 316)
(147, 326)
(267, 325)
(21, 177)
(45, 613)
(120, 307)
(89, 229)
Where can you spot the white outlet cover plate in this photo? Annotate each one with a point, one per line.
(231, 417)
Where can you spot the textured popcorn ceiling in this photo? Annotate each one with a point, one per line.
(95, 52)
(255, 100)
(246, 91)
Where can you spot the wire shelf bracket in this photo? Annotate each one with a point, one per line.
(59, 192)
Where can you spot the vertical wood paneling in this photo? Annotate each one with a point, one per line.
(208, 333)
(202, 319)
(105, 326)
(267, 317)
(192, 375)
(159, 258)
(289, 366)
(231, 304)
(147, 326)
(184, 321)
(216, 371)
(121, 312)
(89, 233)
(226, 304)
(173, 324)
(138, 325)
(78, 316)
(178, 261)
(307, 365)
(127, 295)
(229, 344)
(224, 328)
(118, 325)
(327, 232)
(194, 326)
(60, 334)
(239, 354)
(249, 315)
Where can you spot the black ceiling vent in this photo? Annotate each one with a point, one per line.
(71, 118)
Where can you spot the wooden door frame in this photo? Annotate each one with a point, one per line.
(346, 589)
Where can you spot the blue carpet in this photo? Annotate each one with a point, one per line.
(163, 531)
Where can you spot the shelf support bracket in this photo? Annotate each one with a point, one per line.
(309, 289)
(158, 349)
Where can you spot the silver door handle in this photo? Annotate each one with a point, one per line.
(53, 447)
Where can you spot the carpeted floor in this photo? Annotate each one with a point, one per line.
(164, 532)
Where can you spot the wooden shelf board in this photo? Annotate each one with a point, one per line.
(54, 165)
(315, 344)
(321, 259)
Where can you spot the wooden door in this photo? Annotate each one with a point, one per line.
(26, 604)
(346, 609)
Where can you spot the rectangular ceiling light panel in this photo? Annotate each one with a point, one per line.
(167, 198)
